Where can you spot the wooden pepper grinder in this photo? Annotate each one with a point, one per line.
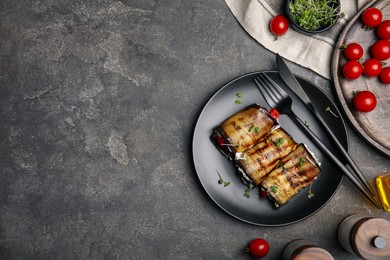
(366, 237)
(302, 249)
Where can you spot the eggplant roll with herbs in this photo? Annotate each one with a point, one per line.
(242, 130)
(260, 159)
(293, 173)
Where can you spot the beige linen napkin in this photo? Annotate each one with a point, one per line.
(313, 52)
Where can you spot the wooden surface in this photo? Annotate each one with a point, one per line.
(366, 232)
(373, 126)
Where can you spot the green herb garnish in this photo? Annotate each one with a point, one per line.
(310, 194)
(307, 123)
(279, 142)
(274, 189)
(314, 14)
(255, 129)
(239, 97)
(221, 181)
(328, 109)
(246, 193)
(280, 165)
(302, 160)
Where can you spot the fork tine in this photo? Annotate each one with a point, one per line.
(281, 93)
(270, 89)
(265, 92)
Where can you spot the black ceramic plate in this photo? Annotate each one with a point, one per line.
(256, 209)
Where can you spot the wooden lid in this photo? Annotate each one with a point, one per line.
(369, 238)
(312, 252)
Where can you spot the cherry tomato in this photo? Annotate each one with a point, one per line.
(385, 75)
(364, 101)
(278, 25)
(372, 17)
(353, 51)
(380, 50)
(383, 30)
(372, 67)
(352, 69)
(274, 113)
(258, 248)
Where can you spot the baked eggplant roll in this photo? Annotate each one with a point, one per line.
(242, 130)
(294, 172)
(260, 159)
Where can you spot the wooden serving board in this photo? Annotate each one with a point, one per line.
(373, 126)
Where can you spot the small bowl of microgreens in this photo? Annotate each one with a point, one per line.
(313, 16)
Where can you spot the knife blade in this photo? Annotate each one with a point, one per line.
(291, 82)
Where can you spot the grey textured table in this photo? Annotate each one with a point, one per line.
(98, 103)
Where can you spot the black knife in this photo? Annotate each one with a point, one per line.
(295, 87)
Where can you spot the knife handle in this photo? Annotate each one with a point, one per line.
(340, 147)
(342, 167)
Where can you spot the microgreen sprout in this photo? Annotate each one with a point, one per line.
(239, 97)
(307, 123)
(246, 193)
(253, 128)
(302, 160)
(279, 142)
(221, 181)
(274, 189)
(310, 194)
(232, 145)
(328, 109)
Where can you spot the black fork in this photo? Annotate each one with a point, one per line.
(276, 97)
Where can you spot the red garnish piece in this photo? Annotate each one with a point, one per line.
(220, 140)
(274, 113)
(263, 193)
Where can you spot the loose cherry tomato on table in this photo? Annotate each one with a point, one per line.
(372, 67)
(383, 30)
(372, 17)
(278, 25)
(274, 113)
(380, 50)
(258, 248)
(364, 101)
(385, 75)
(352, 69)
(353, 51)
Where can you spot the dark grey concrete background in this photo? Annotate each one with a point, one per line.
(98, 103)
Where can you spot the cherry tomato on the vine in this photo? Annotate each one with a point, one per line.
(372, 67)
(383, 30)
(258, 248)
(372, 17)
(274, 113)
(352, 69)
(380, 50)
(364, 101)
(385, 75)
(278, 25)
(353, 51)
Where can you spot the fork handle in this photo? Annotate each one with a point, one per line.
(342, 167)
(350, 161)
